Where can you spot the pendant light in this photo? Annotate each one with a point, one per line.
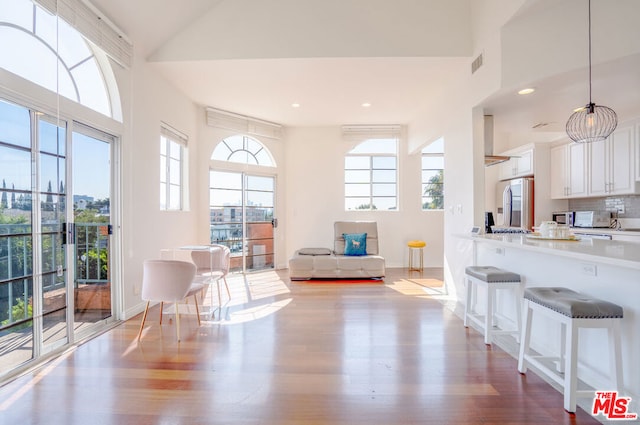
(593, 122)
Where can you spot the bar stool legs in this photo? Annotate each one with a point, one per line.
(492, 279)
(569, 308)
(419, 247)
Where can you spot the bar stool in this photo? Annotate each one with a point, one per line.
(573, 310)
(493, 279)
(418, 246)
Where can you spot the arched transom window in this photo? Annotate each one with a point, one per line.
(243, 150)
(49, 52)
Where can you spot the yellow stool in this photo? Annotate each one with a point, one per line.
(416, 245)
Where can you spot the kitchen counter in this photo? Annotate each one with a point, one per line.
(605, 269)
(605, 231)
(616, 253)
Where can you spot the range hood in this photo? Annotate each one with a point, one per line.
(489, 158)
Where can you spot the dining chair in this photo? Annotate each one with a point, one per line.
(212, 264)
(168, 281)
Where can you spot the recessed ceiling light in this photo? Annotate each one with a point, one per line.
(295, 105)
(366, 104)
(528, 90)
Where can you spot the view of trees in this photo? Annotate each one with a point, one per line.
(435, 191)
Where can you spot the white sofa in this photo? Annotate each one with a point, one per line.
(310, 263)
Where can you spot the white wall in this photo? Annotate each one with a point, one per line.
(462, 126)
(552, 37)
(315, 196)
(150, 100)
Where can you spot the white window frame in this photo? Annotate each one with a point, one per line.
(430, 152)
(172, 200)
(371, 136)
(242, 149)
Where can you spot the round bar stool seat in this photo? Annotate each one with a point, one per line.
(492, 279)
(573, 311)
(416, 245)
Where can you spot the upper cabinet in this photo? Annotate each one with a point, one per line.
(612, 164)
(520, 164)
(568, 171)
(609, 167)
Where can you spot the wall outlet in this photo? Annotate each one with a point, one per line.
(620, 209)
(589, 269)
(500, 251)
(136, 290)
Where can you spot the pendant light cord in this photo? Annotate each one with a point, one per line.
(590, 52)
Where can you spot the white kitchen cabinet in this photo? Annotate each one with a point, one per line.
(612, 164)
(520, 164)
(568, 171)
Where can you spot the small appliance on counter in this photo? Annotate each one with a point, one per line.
(592, 219)
(564, 217)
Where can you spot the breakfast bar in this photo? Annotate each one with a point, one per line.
(604, 269)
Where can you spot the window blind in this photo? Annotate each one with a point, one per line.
(94, 26)
(243, 124)
(359, 133)
(173, 134)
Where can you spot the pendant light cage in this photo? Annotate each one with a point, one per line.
(592, 123)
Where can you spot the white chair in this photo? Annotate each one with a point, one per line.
(168, 281)
(212, 264)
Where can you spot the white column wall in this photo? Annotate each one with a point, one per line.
(149, 100)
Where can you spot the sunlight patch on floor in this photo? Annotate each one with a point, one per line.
(253, 296)
(420, 287)
(230, 316)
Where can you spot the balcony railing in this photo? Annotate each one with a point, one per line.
(16, 265)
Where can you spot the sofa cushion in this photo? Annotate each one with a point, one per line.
(314, 251)
(355, 244)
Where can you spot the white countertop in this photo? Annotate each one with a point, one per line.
(617, 253)
(604, 231)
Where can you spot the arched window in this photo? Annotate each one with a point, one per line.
(49, 52)
(243, 150)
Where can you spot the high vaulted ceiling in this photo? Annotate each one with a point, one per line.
(258, 57)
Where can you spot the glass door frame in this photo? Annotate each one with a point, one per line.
(113, 240)
(244, 249)
(41, 347)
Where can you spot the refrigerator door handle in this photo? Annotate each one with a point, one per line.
(506, 206)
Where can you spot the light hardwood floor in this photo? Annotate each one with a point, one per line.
(285, 353)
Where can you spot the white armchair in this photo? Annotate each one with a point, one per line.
(168, 281)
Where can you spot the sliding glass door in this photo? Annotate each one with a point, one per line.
(91, 177)
(242, 217)
(55, 284)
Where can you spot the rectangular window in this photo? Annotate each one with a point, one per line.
(433, 176)
(371, 176)
(172, 146)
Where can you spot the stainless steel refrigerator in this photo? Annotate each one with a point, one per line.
(514, 204)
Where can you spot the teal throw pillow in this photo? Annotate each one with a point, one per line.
(355, 243)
